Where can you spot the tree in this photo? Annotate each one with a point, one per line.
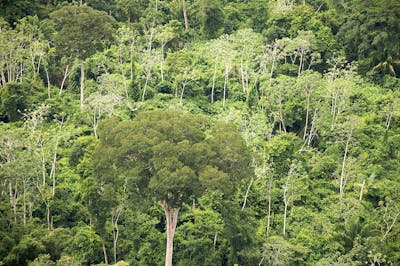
(369, 32)
(81, 32)
(165, 156)
(211, 18)
(165, 34)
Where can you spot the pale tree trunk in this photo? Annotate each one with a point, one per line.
(53, 169)
(185, 15)
(300, 64)
(145, 86)
(24, 202)
(269, 205)
(307, 115)
(312, 131)
(3, 78)
(286, 203)
(213, 83)
(225, 84)
(171, 216)
(162, 61)
(247, 193)
(362, 190)
(48, 82)
(282, 121)
(288, 194)
(48, 215)
(13, 199)
(342, 173)
(243, 75)
(66, 73)
(82, 83)
(215, 240)
(115, 219)
(182, 92)
(103, 245)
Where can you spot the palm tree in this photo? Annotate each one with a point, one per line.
(387, 66)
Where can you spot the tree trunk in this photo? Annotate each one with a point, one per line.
(247, 193)
(145, 86)
(115, 242)
(213, 83)
(300, 65)
(162, 61)
(225, 84)
(182, 92)
(307, 115)
(171, 216)
(185, 15)
(64, 78)
(269, 205)
(13, 200)
(82, 82)
(48, 82)
(362, 190)
(284, 212)
(48, 215)
(24, 202)
(103, 245)
(342, 173)
(3, 79)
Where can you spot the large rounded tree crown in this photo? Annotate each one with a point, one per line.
(167, 154)
(82, 30)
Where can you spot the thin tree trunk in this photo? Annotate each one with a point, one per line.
(311, 133)
(300, 65)
(247, 193)
(145, 87)
(213, 83)
(82, 83)
(24, 202)
(131, 61)
(362, 190)
(225, 84)
(269, 205)
(13, 200)
(182, 92)
(284, 217)
(161, 62)
(115, 242)
(388, 119)
(48, 81)
(215, 240)
(282, 122)
(342, 173)
(43, 166)
(307, 115)
(103, 245)
(171, 215)
(64, 78)
(3, 78)
(185, 15)
(95, 124)
(242, 72)
(115, 219)
(53, 169)
(48, 215)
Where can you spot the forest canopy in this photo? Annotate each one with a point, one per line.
(199, 132)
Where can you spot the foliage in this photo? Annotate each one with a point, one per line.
(271, 126)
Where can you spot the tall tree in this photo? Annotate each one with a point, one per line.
(81, 32)
(164, 155)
